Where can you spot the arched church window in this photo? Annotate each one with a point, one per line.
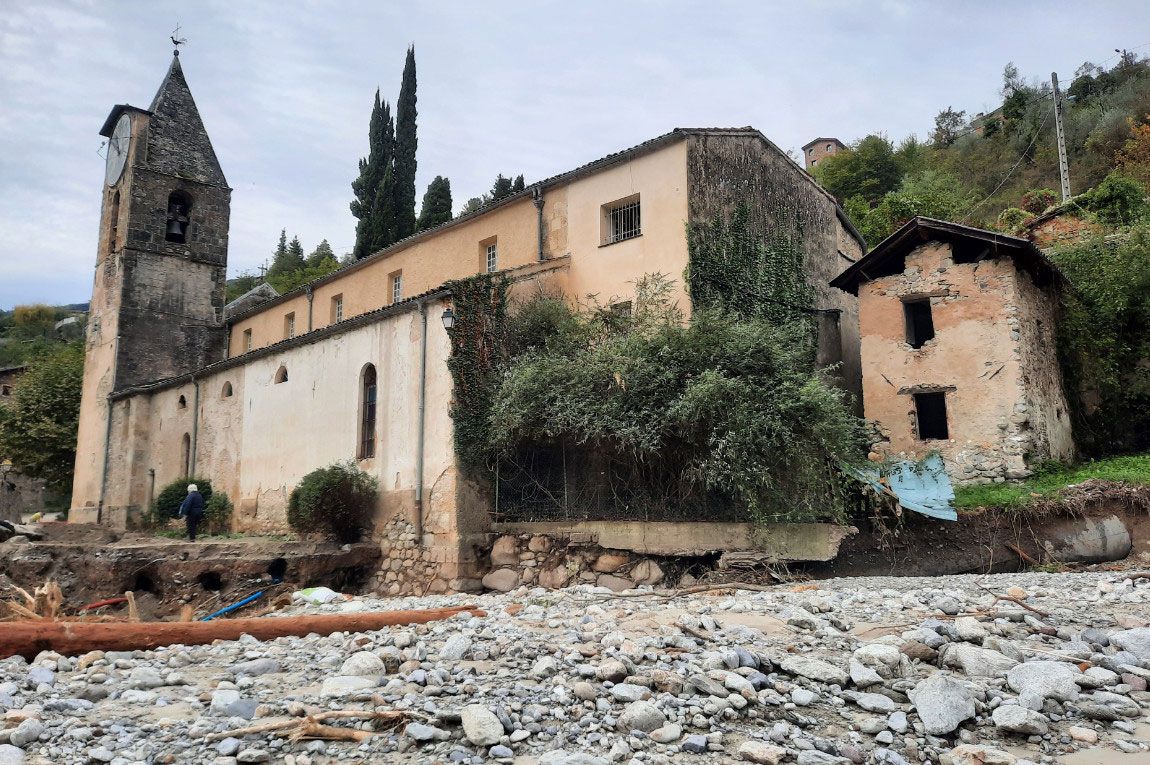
(367, 393)
(281, 375)
(227, 391)
(179, 212)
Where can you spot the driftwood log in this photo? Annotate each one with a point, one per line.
(29, 638)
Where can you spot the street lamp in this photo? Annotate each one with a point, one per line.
(448, 318)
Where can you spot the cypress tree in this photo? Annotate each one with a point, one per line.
(518, 185)
(436, 204)
(279, 257)
(405, 145)
(381, 149)
(501, 188)
(321, 253)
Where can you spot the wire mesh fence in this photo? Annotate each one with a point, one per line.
(580, 484)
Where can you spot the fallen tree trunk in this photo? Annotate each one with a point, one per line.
(72, 638)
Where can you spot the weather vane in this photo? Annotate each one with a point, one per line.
(177, 40)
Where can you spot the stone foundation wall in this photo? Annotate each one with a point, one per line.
(556, 562)
(410, 568)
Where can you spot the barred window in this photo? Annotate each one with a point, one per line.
(289, 326)
(247, 340)
(367, 412)
(492, 258)
(337, 309)
(621, 220)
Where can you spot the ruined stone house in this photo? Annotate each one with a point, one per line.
(353, 365)
(958, 350)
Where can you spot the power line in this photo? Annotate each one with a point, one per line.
(1010, 172)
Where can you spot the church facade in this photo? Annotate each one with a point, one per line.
(353, 366)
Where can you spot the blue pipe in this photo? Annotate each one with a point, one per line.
(233, 606)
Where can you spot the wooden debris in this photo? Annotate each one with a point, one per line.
(312, 727)
(71, 638)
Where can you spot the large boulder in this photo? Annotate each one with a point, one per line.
(641, 715)
(1038, 680)
(942, 703)
(502, 580)
(481, 726)
(1017, 719)
(975, 661)
(814, 669)
(505, 551)
(1136, 641)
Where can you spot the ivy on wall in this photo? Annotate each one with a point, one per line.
(734, 267)
(478, 357)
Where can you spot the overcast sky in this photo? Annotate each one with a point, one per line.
(285, 90)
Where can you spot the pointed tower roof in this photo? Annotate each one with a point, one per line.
(178, 144)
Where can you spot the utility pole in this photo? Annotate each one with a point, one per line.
(1063, 168)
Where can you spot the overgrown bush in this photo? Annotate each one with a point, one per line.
(337, 500)
(1037, 200)
(1118, 200)
(724, 405)
(217, 514)
(1012, 219)
(1104, 339)
(167, 503)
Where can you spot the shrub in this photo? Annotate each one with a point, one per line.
(1037, 200)
(167, 502)
(1118, 200)
(1012, 219)
(337, 500)
(217, 514)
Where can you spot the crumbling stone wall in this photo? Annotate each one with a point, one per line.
(728, 169)
(558, 561)
(997, 367)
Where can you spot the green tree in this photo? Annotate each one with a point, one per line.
(867, 169)
(436, 204)
(475, 204)
(406, 142)
(947, 125)
(38, 428)
(321, 253)
(288, 258)
(367, 186)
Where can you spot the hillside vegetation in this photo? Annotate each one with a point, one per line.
(997, 170)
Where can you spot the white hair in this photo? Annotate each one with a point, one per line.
(192, 487)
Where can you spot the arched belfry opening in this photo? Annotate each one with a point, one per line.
(281, 375)
(179, 215)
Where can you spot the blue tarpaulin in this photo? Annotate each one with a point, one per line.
(923, 487)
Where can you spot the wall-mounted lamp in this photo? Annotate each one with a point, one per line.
(448, 318)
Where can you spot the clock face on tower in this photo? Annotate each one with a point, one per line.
(118, 149)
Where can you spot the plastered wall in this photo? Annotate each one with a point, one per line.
(981, 358)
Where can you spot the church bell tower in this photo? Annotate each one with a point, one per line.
(161, 263)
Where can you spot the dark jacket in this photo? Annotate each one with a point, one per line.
(193, 505)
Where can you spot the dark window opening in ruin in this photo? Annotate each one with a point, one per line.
(5, 390)
(210, 580)
(186, 461)
(930, 414)
(143, 583)
(182, 403)
(227, 391)
(114, 221)
(179, 210)
(277, 569)
(368, 391)
(281, 375)
(969, 251)
(919, 322)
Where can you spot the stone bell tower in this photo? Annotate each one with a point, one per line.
(161, 262)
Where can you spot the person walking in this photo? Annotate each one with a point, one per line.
(192, 510)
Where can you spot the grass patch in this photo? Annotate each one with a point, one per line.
(1051, 479)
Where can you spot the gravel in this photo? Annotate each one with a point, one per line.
(869, 670)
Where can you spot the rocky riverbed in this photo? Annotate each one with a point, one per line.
(869, 670)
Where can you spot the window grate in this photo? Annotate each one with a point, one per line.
(623, 223)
